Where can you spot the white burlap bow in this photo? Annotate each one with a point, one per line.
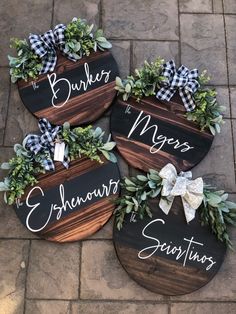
(191, 191)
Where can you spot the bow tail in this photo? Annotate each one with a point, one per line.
(188, 210)
(187, 99)
(48, 164)
(165, 93)
(49, 62)
(166, 203)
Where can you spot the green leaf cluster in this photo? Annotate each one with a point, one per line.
(24, 168)
(80, 40)
(208, 112)
(26, 64)
(217, 212)
(136, 193)
(145, 81)
(87, 142)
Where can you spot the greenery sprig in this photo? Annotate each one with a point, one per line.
(148, 80)
(26, 65)
(144, 82)
(24, 168)
(136, 193)
(215, 211)
(208, 112)
(79, 41)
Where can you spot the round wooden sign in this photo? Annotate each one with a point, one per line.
(77, 92)
(151, 133)
(71, 204)
(165, 254)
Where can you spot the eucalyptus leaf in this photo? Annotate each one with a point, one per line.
(97, 132)
(5, 166)
(119, 82)
(106, 45)
(151, 184)
(130, 188)
(142, 178)
(129, 182)
(214, 199)
(105, 153)
(144, 196)
(212, 129)
(3, 187)
(112, 157)
(108, 146)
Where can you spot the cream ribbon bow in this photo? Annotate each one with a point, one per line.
(191, 191)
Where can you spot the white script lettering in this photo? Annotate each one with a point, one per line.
(158, 140)
(65, 205)
(187, 252)
(64, 84)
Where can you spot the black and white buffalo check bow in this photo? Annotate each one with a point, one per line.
(44, 46)
(183, 79)
(45, 142)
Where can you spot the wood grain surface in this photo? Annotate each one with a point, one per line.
(54, 215)
(152, 133)
(78, 105)
(163, 271)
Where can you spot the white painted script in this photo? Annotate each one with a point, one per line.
(65, 205)
(186, 252)
(158, 140)
(64, 84)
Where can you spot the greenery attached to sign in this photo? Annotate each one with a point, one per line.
(87, 142)
(149, 79)
(26, 65)
(215, 210)
(136, 193)
(207, 113)
(24, 168)
(144, 82)
(79, 41)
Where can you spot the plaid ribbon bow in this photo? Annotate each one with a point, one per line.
(182, 79)
(46, 142)
(44, 46)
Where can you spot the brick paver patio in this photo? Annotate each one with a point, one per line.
(38, 277)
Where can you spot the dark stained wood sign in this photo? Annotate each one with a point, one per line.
(77, 92)
(165, 254)
(71, 204)
(152, 133)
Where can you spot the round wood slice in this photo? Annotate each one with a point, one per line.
(166, 255)
(151, 133)
(71, 204)
(77, 92)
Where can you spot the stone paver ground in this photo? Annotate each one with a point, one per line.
(38, 277)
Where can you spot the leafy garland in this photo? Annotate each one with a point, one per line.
(147, 80)
(79, 41)
(24, 168)
(215, 211)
